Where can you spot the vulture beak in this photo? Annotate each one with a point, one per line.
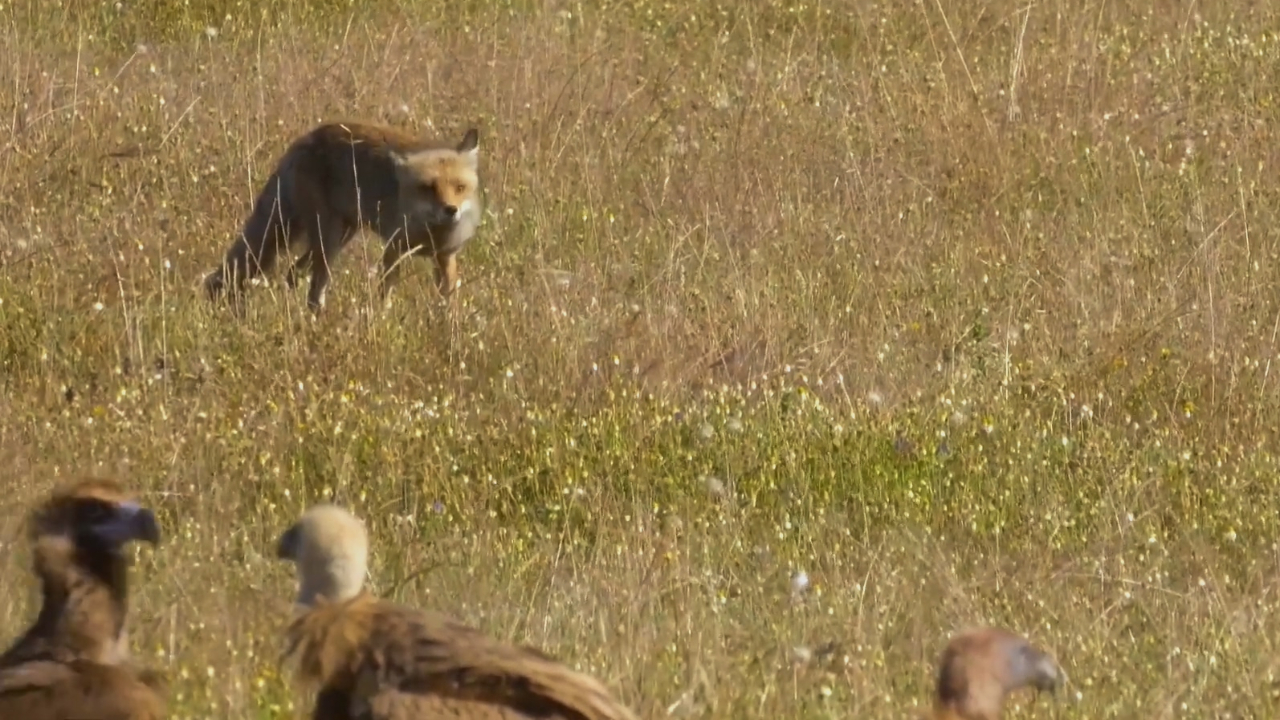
(287, 545)
(1047, 676)
(130, 522)
(1053, 679)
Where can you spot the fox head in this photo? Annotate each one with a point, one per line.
(438, 186)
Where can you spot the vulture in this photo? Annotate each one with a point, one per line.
(73, 662)
(980, 667)
(373, 659)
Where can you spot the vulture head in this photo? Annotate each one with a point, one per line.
(87, 524)
(78, 536)
(979, 668)
(329, 548)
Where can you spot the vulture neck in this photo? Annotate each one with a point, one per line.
(84, 597)
(335, 593)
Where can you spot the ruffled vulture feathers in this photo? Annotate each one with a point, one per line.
(372, 658)
(72, 663)
(979, 668)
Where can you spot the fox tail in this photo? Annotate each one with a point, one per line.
(264, 236)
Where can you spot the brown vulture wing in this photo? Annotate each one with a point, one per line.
(51, 690)
(432, 654)
(398, 705)
(371, 655)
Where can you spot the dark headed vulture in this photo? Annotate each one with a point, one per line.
(980, 667)
(73, 662)
(372, 659)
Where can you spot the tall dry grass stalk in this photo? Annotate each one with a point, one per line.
(966, 310)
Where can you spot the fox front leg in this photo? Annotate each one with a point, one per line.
(393, 257)
(447, 273)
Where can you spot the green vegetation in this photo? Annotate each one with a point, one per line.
(967, 310)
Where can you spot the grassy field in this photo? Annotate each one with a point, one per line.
(967, 310)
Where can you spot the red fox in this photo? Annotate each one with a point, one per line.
(980, 667)
(420, 196)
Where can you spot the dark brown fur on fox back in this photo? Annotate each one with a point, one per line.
(331, 182)
(399, 663)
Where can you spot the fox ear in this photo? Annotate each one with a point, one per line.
(470, 144)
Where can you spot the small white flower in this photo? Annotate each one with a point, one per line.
(799, 582)
(714, 485)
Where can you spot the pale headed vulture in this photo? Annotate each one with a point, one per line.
(373, 659)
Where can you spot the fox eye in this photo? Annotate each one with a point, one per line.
(425, 188)
(460, 188)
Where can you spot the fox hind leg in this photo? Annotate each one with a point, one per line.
(301, 265)
(250, 255)
(328, 233)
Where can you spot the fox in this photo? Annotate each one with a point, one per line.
(420, 196)
(981, 666)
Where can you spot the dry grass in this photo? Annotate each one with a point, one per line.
(967, 310)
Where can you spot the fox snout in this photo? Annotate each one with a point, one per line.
(441, 215)
(433, 209)
(447, 211)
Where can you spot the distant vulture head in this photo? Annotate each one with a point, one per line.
(330, 548)
(1035, 668)
(980, 667)
(95, 518)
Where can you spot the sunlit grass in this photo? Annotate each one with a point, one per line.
(796, 338)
